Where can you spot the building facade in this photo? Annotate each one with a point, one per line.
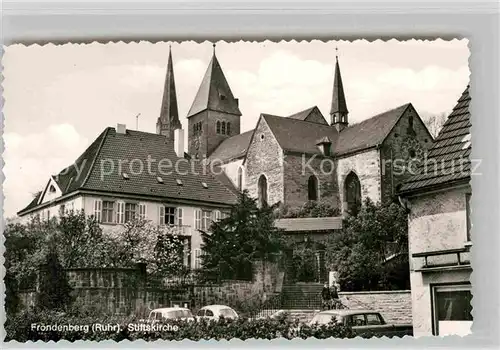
(439, 230)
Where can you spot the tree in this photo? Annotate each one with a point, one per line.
(247, 235)
(55, 291)
(435, 122)
(359, 251)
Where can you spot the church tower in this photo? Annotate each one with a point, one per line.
(169, 114)
(214, 115)
(338, 111)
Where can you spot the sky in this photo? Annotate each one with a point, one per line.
(59, 98)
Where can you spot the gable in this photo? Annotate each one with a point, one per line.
(51, 192)
(312, 115)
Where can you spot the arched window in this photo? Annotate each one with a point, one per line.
(352, 190)
(218, 127)
(223, 128)
(240, 178)
(228, 128)
(262, 190)
(312, 188)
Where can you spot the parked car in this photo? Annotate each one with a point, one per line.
(170, 313)
(215, 312)
(367, 322)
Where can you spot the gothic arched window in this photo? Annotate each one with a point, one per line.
(312, 188)
(262, 190)
(218, 127)
(223, 128)
(240, 178)
(352, 190)
(228, 128)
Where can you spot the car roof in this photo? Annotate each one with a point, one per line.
(167, 309)
(218, 307)
(347, 312)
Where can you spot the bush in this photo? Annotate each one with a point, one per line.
(22, 328)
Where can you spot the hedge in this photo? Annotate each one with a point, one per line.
(20, 328)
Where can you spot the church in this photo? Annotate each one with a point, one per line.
(286, 160)
(304, 156)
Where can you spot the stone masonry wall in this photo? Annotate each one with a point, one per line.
(395, 306)
(395, 151)
(366, 165)
(298, 169)
(265, 157)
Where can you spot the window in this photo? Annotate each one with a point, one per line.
(357, 320)
(312, 188)
(206, 218)
(223, 128)
(411, 131)
(262, 190)
(52, 189)
(142, 211)
(97, 209)
(48, 214)
(120, 212)
(218, 127)
(209, 313)
(107, 212)
(197, 258)
(166, 215)
(452, 310)
(186, 252)
(228, 128)
(130, 211)
(468, 213)
(352, 190)
(62, 209)
(201, 313)
(240, 178)
(373, 319)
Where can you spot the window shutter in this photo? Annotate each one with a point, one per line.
(161, 215)
(216, 215)
(142, 211)
(120, 212)
(197, 219)
(179, 213)
(97, 209)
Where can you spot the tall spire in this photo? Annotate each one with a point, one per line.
(169, 114)
(214, 92)
(338, 111)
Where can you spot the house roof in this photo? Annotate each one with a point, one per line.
(233, 147)
(297, 135)
(214, 92)
(450, 152)
(100, 171)
(369, 132)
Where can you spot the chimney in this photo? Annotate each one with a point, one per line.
(121, 128)
(237, 100)
(179, 142)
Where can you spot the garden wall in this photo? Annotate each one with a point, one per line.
(395, 306)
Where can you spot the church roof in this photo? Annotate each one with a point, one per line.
(169, 113)
(99, 166)
(338, 98)
(450, 152)
(370, 132)
(233, 147)
(297, 135)
(214, 92)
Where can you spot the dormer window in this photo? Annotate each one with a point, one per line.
(179, 182)
(325, 146)
(204, 184)
(125, 176)
(159, 179)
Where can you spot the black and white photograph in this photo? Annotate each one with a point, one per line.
(251, 189)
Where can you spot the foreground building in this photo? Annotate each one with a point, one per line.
(438, 200)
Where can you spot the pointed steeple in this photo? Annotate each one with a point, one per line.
(169, 114)
(214, 92)
(338, 111)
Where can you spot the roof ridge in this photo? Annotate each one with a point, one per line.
(298, 120)
(98, 151)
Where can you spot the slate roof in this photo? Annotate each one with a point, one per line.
(110, 147)
(214, 92)
(297, 135)
(232, 148)
(450, 151)
(338, 97)
(369, 132)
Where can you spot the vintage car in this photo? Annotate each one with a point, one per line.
(170, 313)
(215, 312)
(363, 322)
